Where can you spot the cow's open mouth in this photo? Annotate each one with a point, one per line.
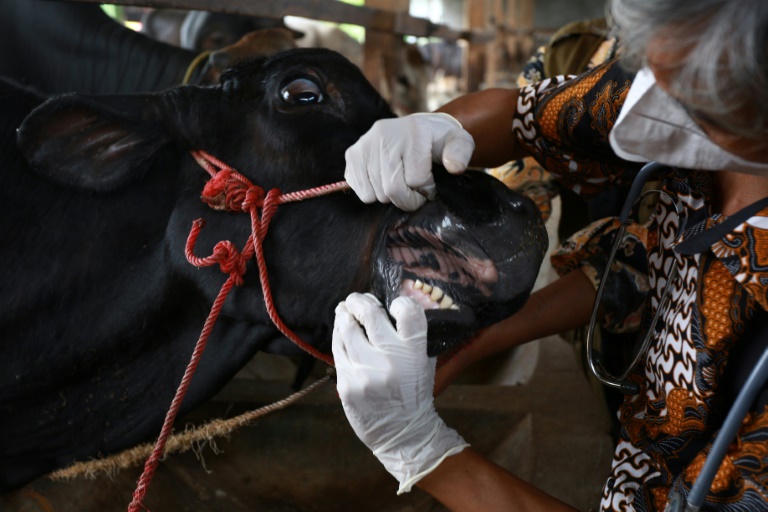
(443, 267)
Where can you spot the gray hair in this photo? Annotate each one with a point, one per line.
(725, 74)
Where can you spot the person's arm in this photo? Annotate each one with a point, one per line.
(560, 306)
(385, 381)
(487, 115)
(468, 482)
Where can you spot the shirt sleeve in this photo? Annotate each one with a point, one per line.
(564, 124)
(526, 175)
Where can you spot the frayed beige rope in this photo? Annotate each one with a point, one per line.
(181, 442)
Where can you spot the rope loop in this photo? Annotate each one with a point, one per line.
(230, 260)
(225, 254)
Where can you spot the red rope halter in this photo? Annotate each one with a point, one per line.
(229, 190)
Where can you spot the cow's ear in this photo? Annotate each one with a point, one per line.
(92, 143)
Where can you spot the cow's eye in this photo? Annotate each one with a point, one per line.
(302, 91)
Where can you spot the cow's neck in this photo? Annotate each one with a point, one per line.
(63, 46)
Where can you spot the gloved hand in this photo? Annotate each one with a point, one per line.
(392, 162)
(385, 382)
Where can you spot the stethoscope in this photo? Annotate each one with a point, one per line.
(754, 384)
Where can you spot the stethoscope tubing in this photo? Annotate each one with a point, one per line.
(621, 383)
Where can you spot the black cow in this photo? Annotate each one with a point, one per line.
(404, 73)
(68, 46)
(99, 309)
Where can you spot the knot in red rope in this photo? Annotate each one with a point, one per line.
(225, 254)
(230, 260)
(229, 190)
(254, 198)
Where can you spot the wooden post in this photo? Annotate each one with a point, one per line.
(495, 49)
(382, 49)
(512, 24)
(474, 63)
(526, 24)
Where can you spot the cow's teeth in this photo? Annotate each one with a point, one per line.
(431, 297)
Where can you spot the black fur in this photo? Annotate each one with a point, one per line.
(99, 309)
(68, 46)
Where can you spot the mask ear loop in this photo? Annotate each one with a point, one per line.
(598, 370)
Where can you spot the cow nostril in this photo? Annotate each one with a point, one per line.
(220, 59)
(521, 204)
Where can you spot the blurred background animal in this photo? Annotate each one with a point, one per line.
(404, 82)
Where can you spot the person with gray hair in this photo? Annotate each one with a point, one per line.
(690, 92)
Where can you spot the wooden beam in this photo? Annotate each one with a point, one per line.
(474, 66)
(511, 26)
(526, 26)
(381, 20)
(382, 49)
(495, 48)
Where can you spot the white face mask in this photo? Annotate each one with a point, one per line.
(653, 126)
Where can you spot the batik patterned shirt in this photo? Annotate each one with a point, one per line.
(704, 342)
(526, 175)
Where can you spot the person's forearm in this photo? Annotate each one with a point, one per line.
(560, 306)
(467, 482)
(487, 115)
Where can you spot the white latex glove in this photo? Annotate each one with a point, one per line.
(385, 382)
(392, 162)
